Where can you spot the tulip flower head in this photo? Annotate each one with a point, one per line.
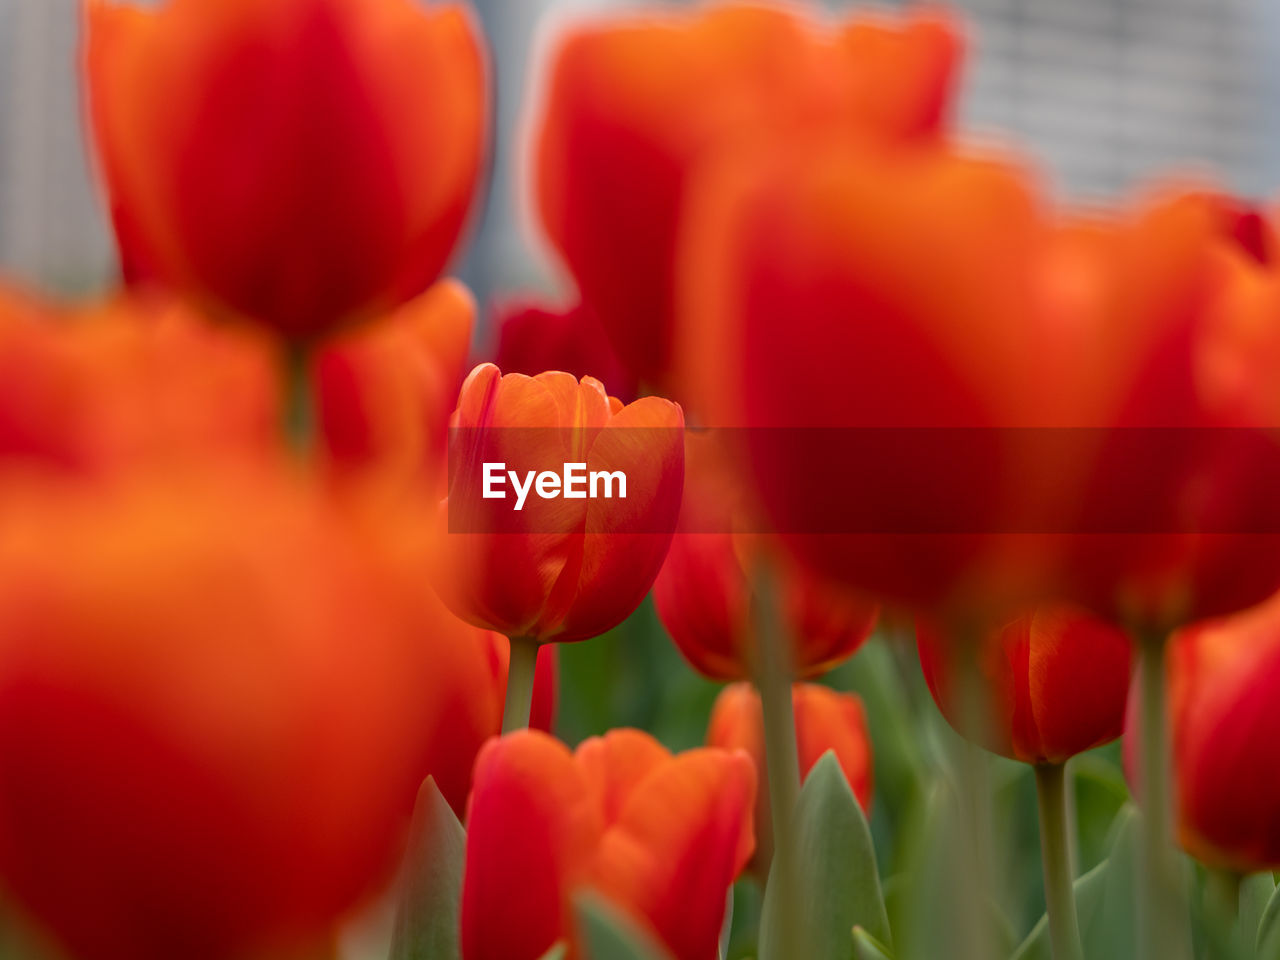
(661, 837)
(302, 163)
(619, 137)
(566, 560)
(825, 720)
(1049, 685)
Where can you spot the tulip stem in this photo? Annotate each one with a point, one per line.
(298, 414)
(521, 669)
(1059, 893)
(773, 674)
(1163, 922)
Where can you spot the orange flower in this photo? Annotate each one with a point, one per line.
(873, 404)
(384, 393)
(825, 720)
(303, 163)
(1051, 684)
(217, 699)
(703, 594)
(620, 136)
(129, 383)
(619, 111)
(1222, 681)
(661, 837)
(557, 568)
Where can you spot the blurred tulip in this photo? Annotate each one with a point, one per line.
(661, 837)
(825, 720)
(302, 163)
(532, 339)
(384, 393)
(558, 569)
(1048, 685)
(642, 102)
(873, 405)
(703, 594)
(1222, 681)
(217, 699)
(130, 383)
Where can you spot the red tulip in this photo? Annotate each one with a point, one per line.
(217, 699)
(636, 106)
(532, 339)
(546, 567)
(703, 594)
(1049, 685)
(660, 837)
(1222, 678)
(825, 720)
(303, 163)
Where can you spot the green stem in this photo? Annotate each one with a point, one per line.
(521, 669)
(1059, 895)
(1222, 907)
(1164, 918)
(773, 675)
(298, 413)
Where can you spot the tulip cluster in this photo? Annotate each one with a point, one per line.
(275, 560)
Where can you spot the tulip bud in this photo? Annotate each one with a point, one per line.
(619, 816)
(302, 163)
(825, 720)
(563, 560)
(1046, 686)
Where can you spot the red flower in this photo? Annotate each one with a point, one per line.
(1049, 685)
(303, 163)
(661, 837)
(557, 568)
(635, 107)
(825, 720)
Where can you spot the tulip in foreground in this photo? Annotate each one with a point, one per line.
(660, 837)
(302, 163)
(824, 720)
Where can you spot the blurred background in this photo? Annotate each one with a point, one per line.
(1104, 92)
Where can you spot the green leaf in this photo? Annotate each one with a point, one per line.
(1111, 930)
(1268, 942)
(609, 935)
(867, 947)
(558, 952)
(1088, 892)
(1255, 894)
(427, 916)
(839, 886)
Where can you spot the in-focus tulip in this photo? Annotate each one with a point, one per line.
(303, 163)
(619, 135)
(384, 393)
(703, 594)
(1222, 681)
(128, 383)
(1045, 686)
(825, 720)
(531, 339)
(661, 837)
(217, 700)
(557, 568)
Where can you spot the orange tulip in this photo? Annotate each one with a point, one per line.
(825, 720)
(531, 339)
(303, 163)
(619, 112)
(129, 383)
(217, 699)
(1050, 684)
(661, 837)
(1222, 678)
(384, 393)
(703, 594)
(557, 569)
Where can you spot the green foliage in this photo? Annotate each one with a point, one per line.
(611, 936)
(427, 926)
